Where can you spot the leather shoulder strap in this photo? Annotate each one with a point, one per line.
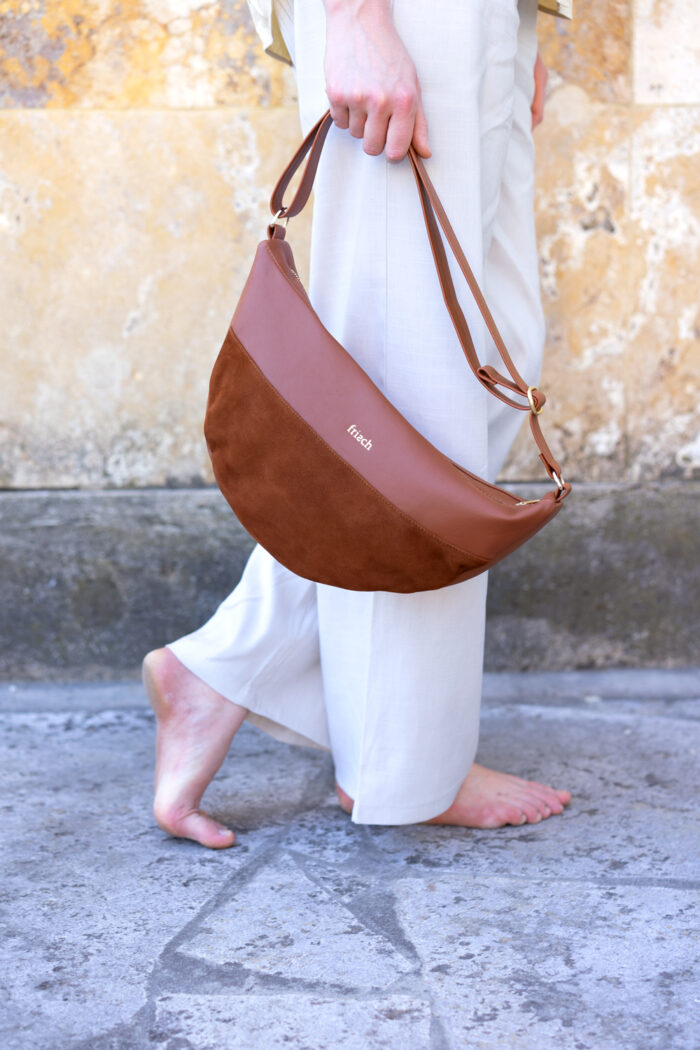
(532, 399)
(314, 142)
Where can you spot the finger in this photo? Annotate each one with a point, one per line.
(399, 134)
(421, 142)
(537, 108)
(358, 119)
(375, 132)
(340, 115)
(536, 115)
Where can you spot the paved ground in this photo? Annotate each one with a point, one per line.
(312, 933)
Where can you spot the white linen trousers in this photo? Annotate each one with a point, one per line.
(391, 683)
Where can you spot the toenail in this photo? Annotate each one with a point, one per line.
(224, 831)
(523, 819)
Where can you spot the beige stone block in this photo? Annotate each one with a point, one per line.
(184, 54)
(593, 51)
(667, 51)
(663, 361)
(126, 239)
(582, 174)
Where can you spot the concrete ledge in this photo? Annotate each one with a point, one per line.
(661, 691)
(613, 581)
(89, 581)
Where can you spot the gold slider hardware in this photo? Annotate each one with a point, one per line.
(285, 218)
(560, 488)
(535, 410)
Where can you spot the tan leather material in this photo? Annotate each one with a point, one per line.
(318, 464)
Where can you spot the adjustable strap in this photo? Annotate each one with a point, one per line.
(532, 399)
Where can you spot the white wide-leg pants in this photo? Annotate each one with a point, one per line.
(391, 683)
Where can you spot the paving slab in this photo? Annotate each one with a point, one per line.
(265, 1023)
(525, 964)
(579, 933)
(246, 931)
(92, 891)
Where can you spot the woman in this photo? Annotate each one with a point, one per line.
(390, 683)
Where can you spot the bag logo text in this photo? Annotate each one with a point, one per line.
(354, 432)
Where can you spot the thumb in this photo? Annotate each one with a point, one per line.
(420, 140)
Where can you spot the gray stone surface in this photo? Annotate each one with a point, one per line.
(312, 933)
(317, 1023)
(89, 581)
(614, 581)
(554, 963)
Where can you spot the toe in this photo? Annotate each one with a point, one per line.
(545, 805)
(528, 808)
(207, 832)
(513, 814)
(194, 825)
(548, 796)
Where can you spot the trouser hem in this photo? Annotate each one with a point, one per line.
(245, 697)
(413, 814)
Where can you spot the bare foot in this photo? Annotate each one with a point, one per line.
(488, 799)
(195, 727)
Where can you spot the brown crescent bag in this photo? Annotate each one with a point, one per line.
(319, 466)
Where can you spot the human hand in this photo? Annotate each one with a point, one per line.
(371, 81)
(537, 107)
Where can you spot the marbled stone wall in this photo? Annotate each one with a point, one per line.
(618, 207)
(138, 143)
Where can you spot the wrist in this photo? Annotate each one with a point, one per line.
(356, 7)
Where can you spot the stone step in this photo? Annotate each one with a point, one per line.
(89, 581)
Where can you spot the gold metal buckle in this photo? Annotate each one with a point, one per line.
(560, 488)
(535, 410)
(285, 218)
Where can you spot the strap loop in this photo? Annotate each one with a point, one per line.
(313, 142)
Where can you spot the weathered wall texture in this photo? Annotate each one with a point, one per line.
(138, 146)
(93, 580)
(138, 143)
(619, 224)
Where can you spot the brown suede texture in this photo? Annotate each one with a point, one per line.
(302, 502)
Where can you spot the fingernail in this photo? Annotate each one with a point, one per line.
(523, 819)
(224, 831)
